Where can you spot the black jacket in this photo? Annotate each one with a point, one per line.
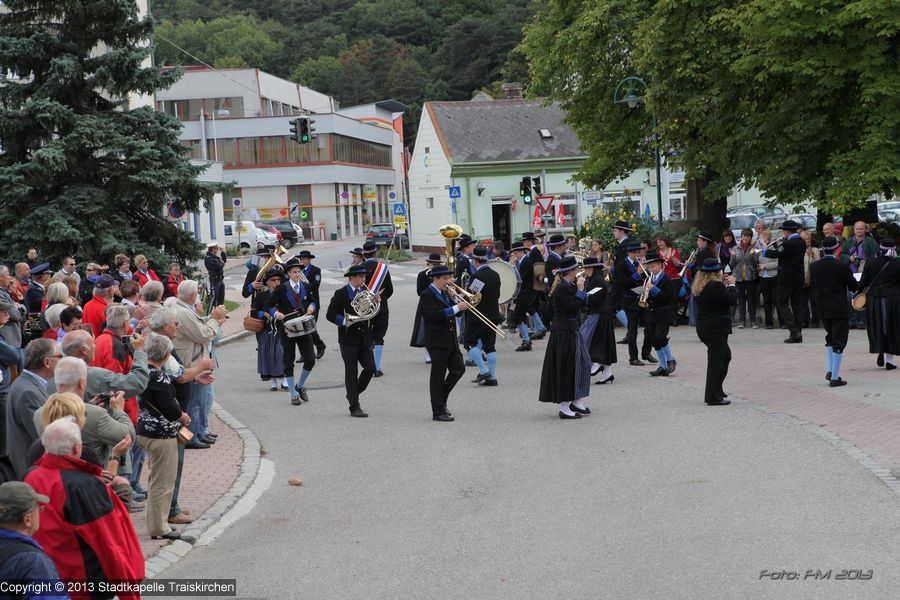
(247, 290)
(790, 261)
(215, 266)
(535, 256)
(314, 276)
(661, 300)
(550, 265)
(360, 334)
(526, 291)
(889, 282)
(463, 265)
(490, 296)
(714, 306)
(34, 297)
(423, 280)
(567, 304)
(623, 281)
(438, 319)
(620, 253)
(830, 279)
(598, 302)
(284, 300)
(870, 280)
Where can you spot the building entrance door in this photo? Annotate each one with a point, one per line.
(502, 221)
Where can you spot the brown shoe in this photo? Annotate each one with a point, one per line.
(181, 519)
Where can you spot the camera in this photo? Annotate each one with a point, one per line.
(103, 398)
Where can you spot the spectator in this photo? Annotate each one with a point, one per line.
(173, 280)
(671, 258)
(498, 249)
(80, 344)
(31, 257)
(856, 250)
(86, 285)
(9, 357)
(808, 316)
(51, 316)
(20, 282)
(724, 248)
(88, 532)
(744, 270)
(571, 244)
(144, 273)
(72, 284)
(152, 295)
(767, 269)
(22, 559)
(123, 268)
(69, 320)
(11, 331)
(27, 394)
(95, 310)
(68, 269)
(215, 267)
(36, 292)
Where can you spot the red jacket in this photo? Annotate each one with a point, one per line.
(85, 528)
(95, 313)
(172, 284)
(111, 354)
(142, 279)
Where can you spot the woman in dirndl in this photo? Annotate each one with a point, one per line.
(566, 376)
(597, 330)
(269, 350)
(882, 304)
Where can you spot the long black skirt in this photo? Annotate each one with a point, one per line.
(883, 324)
(269, 353)
(598, 331)
(566, 375)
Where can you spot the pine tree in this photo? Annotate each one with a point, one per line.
(80, 171)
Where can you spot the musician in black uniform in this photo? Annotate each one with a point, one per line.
(292, 299)
(628, 276)
(438, 314)
(380, 322)
(250, 284)
(831, 281)
(355, 340)
(621, 230)
(660, 313)
(716, 297)
(872, 283)
(532, 250)
(526, 301)
(269, 348)
(555, 252)
(423, 280)
(477, 336)
(356, 256)
(464, 266)
(566, 374)
(313, 275)
(597, 330)
(789, 282)
(888, 296)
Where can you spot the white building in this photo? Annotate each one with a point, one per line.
(346, 178)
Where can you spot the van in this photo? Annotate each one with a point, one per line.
(249, 235)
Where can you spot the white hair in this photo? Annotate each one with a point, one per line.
(170, 302)
(157, 347)
(186, 290)
(61, 437)
(69, 372)
(52, 315)
(152, 291)
(162, 317)
(117, 316)
(103, 292)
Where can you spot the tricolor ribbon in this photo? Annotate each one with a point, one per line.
(378, 276)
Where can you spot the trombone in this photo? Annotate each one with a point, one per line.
(687, 263)
(472, 300)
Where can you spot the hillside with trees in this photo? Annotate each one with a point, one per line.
(355, 50)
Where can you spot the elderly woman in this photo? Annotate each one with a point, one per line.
(51, 316)
(159, 420)
(86, 285)
(173, 280)
(767, 269)
(144, 273)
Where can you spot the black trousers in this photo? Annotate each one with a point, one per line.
(216, 295)
(657, 334)
(789, 302)
(307, 352)
(379, 328)
(356, 383)
(747, 299)
(635, 316)
(447, 366)
(718, 357)
(767, 288)
(836, 333)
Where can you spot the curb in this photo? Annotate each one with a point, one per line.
(234, 337)
(167, 555)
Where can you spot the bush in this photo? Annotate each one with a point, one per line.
(599, 225)
(396, 255)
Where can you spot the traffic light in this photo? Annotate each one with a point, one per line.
(295, 127)
(302, 130)
(536, 185)
(525, 190)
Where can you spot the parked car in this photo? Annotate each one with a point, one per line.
(760, 210)
(892, 205)
(383, 234)
(889, 216)
(740, 221)
(270, 228)
(248, 237)
(806, 220)
(289, 234)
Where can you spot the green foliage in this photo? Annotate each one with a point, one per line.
(798, 97)
(236, 41)
(81, 173)
(599, 226)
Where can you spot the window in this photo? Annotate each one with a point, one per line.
(360, 152)
(249, 151)
(429, 202)
(677, 204)
(228, 230)
(611, 200)
(551, 218)
(272, 150)
(315, 151)
(228, 151)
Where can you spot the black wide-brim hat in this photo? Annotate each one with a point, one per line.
(633, 247)
(275, 271)
(652, 257)
(830, 243)
(594, 262)
(887, 244)
(305, 254)
(292, 263)
(480, 252)
(705, 235)
(434, 258)
(567, 264)
(790, 225)
(369, 248)
(556, 239)
(711, 264)
(439, 271)
(517, 246)
(355, 270)
(463, 241)
(264, 251)
(528, 235)
(622, 225)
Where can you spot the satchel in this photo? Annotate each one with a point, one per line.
(859, 302)
(185, 435)
(253, 324)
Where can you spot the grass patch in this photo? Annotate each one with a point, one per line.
(230, 305)
(396, 255)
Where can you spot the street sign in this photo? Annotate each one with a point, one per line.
(545, 203)
(392, 195)
(174, 212)
(455, 192)
(304, 215)
(400, 210)
(236, 202)
(400, 224)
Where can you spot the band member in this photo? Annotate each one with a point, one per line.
(716, 297)
(535, 256)
(532, 250)
(269, 348)
(566, 375)
(598, 328)
(313, 275)
(872, 281)
(464, 266)
(526, 302)
(289, 300)
(477, 336)
(356, 256)
(355, 339)
(621, 230)
(423, 280)
(831, 281)
(555, 252)
(438, 313)
(660, 312)
(628, 277)
(789, 283)
(36, 292)
(379, 282)
(250, 284)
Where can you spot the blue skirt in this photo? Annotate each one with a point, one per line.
(269, 353)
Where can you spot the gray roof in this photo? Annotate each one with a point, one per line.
(503, 130)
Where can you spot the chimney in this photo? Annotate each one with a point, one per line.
(512, 91)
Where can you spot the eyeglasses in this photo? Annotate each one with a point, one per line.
(58, 356)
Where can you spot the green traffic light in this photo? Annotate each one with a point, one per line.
(305, 138)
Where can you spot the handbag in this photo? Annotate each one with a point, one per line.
(182, 434)
(859, 300)
(253, 324)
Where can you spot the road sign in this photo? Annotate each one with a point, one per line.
(236, 202)
(455, 192)
(545, 203)
(304, 215)
(392, 195)
(400, 210)
(174, 212)
(400, 224)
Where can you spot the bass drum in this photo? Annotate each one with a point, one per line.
(510, 280)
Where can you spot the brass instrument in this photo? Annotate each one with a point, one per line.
(473, 299)
(457, 290)
(643, 301)
(688, 262)
(364, 305)
(767, 246)
(273, 260)
(450, 232)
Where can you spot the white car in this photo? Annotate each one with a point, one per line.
(740, 221)
(248, 237)
(889, 216)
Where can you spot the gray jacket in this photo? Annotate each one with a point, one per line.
(26, 395)
(12, 331)
(743, 264)
(102, 429)
(101, 380)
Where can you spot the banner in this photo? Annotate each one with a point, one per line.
(561, 219)
(536, 220)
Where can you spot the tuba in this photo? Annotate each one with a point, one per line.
(365, 307)
(450, 232)
(273, 260)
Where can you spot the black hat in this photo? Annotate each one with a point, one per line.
(517, 246)
(355, 270)
(540, 233)
(790, 225)
(305, 254)
(652, 257)
(463, 241)
(293, 262)
(622, 225)
(480, 253)
(557, 239)
(434, 258)
(887, 244)
(17, 499)
(592, 261)
(275, 271)
(633, 246)
(711, 264)
(264, 251)
(528, 235)
(357, 251)
(831, 243)
(369, 248)
(567, 264)
(439, 270)
(104, 282)
(41, 269)
(705, 235)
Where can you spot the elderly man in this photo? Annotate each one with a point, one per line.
(855, 251)
(9, 358)
(80, 344)
(68, 268)
(20, 282)
(87, 530)
(27, 394)
(95, 309)
(193, 342)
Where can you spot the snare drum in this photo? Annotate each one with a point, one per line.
(300, 326)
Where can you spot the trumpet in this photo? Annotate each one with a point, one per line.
(457, 290)
(767, 246)
(687, 263)
(472, 300)
(643, 301)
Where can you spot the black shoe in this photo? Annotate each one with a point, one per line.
(635, 363)
(264, 378)
(724, 395)
(525, 347)
(828, 376)
(605, 381)
(650, 359)
(378, 373)
(659, 372)
(302, 392)
(624, 340)
(481, 377)
(563, 415)
(358, 412)
(595, 372)
(837, 382)
(890, 367)
(295, 400)
(770, 326)
(470, 363)
(448, 413)
(321, 352)
(428, 361)
(880, 360)
(488, 383)
(577, 410)
(444, 418)
(721, 402)
(196, 444)
(174, 535)
(208, 440)
(794, 339)
(214, 436)
(539, 335)
(670, 365)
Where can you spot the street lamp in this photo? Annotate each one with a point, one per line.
(632, 99)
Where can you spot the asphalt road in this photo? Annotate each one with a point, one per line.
(653, 496)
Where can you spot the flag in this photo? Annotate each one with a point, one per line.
(536, 220)
(514, 202)
(646, 211)
(561, 219)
